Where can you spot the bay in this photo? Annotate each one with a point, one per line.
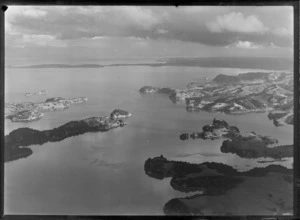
(103, 173)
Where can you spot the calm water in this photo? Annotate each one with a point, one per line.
(103, 173)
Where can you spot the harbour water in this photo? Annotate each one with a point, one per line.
(103, 173)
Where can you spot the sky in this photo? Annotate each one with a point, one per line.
(64, 34)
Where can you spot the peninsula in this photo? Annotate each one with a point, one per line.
(29, 111)
(238, 94)
(217, 182)
(17, 141)
(281, 118)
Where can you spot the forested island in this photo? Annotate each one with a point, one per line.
(245, 145)
(16, 142)
(214, 182)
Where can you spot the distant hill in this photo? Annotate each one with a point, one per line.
(253, 75)
(221, 78)
(63, 66)
(266, 63)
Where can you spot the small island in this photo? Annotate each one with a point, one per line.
(40, 92)
(17, 141)
(152, 90)
(119, 114)
(216, 182)
(240, 94)
(29, 111)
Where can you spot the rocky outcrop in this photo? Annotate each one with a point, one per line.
(29, 111)
(17, 141)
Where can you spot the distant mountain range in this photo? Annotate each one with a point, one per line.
(267, 63)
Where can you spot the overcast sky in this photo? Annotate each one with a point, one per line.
(58, 34)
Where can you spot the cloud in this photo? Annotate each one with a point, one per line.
(33, 11)
(161, 31)
(14, 12)
(210, 26)
(42, 40)
(282, 31)
(236, 22)
(141, 17)
(246, 45)
(272, 45)
(27, 40)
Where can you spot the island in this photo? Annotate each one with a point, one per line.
(237, 94)
(119, 114)
(223, 186)
(40, 92)
(29, 111)
(216, 130)
(17, 141)
(245, 145)
(152, 90)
